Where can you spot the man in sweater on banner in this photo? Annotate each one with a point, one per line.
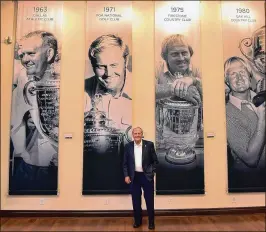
(245, 125)
(177, 78)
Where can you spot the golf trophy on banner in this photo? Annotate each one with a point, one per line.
(46, 92)
(100, 135)
(177, 126)
(254, 50)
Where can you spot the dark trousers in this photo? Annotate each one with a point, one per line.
(140, 181)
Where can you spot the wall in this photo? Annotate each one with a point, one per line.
(71, 111)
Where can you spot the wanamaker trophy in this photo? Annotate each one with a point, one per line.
(177, 128)
(100, 135)
(46, 93)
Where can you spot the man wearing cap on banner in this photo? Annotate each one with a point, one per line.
(245, 126)
(139, 166)
(109, 90)
(37, 169)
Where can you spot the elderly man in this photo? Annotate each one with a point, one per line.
(176, 76)
(245, 126)
(37, 168)
(139, 166)
(109, 90)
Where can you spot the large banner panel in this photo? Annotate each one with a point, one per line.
(35, 99)
(108, 96)
(244, 75)
(179, 114)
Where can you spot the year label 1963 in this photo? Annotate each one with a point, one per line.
(40, 9)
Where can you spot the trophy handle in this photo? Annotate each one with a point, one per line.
(126, 133)
(31, 90)
(247, 42)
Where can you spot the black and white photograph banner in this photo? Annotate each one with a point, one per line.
(243, 25)
(35, 99)
(108, 96)
(179, 112)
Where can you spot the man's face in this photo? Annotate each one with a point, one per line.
(110, 67)
(178, 58)
(238, 77)
(137, 135)
(33, 56)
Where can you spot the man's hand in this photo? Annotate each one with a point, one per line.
(54, 160)
(127, 180)
(193, 96)
(182, 85)
(30, 122)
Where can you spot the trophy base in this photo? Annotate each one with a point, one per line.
(180, 156)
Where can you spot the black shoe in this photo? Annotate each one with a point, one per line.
(151, 226)
(136, 225)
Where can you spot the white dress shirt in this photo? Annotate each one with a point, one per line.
(138, 157)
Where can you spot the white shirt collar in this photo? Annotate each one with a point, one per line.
(237, 102)
(140, 144)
